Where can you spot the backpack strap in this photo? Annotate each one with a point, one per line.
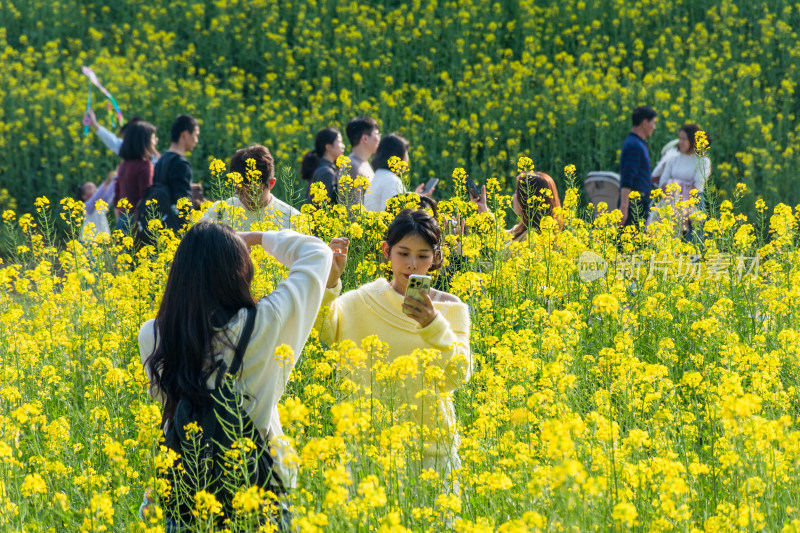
(244, 340)
(164, 168)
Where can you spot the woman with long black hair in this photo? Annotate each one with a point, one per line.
(319, 165)
(203, 312)
(135, 173)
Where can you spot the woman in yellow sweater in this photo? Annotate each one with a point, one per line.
(437, 323)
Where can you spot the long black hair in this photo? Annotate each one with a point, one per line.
(208, 283)
(390, 145)
(311, 159)
(138, 141)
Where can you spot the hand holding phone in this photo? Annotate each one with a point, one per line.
(430, 186)
(472, 188)
(417, 304)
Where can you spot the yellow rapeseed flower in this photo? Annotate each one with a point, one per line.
(33, 485)
(206, 505)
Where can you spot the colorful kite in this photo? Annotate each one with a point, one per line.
(112, 102)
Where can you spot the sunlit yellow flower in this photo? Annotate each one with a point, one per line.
(206, 505)
(525, 164)
(33, 485)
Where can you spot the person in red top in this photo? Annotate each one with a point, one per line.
(135, 173)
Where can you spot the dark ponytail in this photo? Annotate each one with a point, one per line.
(311, 159)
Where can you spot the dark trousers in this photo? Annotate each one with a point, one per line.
(638, 209)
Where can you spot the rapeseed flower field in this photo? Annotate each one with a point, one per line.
(623, 380)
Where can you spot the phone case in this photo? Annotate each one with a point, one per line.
(417, 285)
(472, 188)
(430, 185)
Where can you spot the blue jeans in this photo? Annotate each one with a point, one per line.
(125, 223)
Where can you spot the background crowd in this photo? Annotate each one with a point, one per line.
(376, 170)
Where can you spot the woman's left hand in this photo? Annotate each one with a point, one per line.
(420, 310)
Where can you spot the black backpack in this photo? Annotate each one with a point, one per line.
(203, 464)
(162, 210)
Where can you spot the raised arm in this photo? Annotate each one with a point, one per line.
(111, 141)
(105, 192)
(327, 318)
(287, 314)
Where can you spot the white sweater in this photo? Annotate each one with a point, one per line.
(385, 184)
(233, 213)
(686, 168)
(283, 317)
(111, 141)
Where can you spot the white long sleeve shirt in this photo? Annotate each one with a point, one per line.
(111, 141)
(686, 168)
(385, 184)
(283, 317)
(234, 213)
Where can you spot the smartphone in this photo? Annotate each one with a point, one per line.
(430, 185)
(417, 284)
(472, 188)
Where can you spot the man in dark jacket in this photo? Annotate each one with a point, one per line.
(173, 173)
(634, 167)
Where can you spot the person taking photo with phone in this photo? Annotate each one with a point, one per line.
(433, 320)
(196, 339)
(386, 183)
(534, 198)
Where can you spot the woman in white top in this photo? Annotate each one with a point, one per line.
(386, 183)
(686, 169)
(202, 316)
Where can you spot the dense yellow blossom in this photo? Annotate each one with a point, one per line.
(661, 396)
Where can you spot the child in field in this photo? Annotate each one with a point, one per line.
(89, 194)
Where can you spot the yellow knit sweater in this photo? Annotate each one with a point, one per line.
(376, 309)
